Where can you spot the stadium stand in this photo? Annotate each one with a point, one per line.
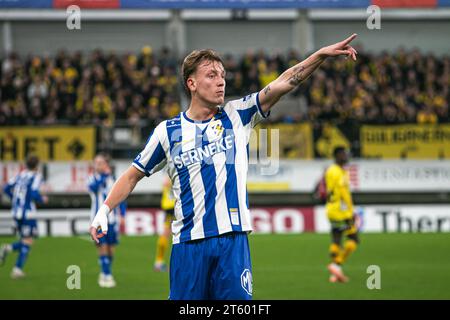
(105, 88)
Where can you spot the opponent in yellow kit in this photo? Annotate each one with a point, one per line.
(167, 204)
(339, 208)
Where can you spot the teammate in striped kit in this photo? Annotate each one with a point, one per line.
(99, 185)
(205, 150)
(23, 190)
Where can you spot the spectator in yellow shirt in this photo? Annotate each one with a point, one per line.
(102, 106)
(427, 116)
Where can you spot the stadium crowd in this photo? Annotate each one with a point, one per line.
(103, 88)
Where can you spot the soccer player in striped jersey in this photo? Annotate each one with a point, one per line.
(167, 204)
(99, 184)
(205, 150)
(23, 190)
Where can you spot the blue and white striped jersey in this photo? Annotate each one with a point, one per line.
(23, 190)
(99, 186)
(207, 162)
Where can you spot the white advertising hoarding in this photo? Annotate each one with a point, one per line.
(72, 177)
(287, 176)
(394, 218)
(265, 220)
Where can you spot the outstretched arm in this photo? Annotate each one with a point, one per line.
(293, 76)
(119, 192)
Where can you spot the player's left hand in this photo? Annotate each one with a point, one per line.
(100, 220)
(341, 48)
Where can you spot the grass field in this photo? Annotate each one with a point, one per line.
(413, 266)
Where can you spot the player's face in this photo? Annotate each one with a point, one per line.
(208, 83)
(100, 165)
(343, 157)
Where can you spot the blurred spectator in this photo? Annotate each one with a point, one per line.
(37, 88)
(78, 88)
(427, 116)
(142, 88)
(102, 106)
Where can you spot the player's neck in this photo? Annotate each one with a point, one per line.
(199, 111)
(341, 164)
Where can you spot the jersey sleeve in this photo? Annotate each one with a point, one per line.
(153, 157)
(95, 181)
(35, 193)
(8, 188)
(249, 109)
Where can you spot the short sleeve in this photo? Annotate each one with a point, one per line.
(249, 109)
(153, 157)
(36, 183)
(12, 181)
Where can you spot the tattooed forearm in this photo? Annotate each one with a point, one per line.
(297, 76)
(302, 71)
(288, 80)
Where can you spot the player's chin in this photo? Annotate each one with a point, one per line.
(220, 99)
(216, 100)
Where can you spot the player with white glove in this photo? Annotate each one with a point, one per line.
(119, 192)
(100, 221)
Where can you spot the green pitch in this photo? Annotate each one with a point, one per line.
(413, 266)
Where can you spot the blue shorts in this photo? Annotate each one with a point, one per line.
(112, 236)
(215, 268)
(27, 228)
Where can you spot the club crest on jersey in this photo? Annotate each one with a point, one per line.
(247, 281)
(216, 128)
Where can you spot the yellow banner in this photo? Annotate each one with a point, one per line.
(406, 142)
(285, 140)
(48, 143)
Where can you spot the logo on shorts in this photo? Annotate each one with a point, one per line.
(247, 282)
